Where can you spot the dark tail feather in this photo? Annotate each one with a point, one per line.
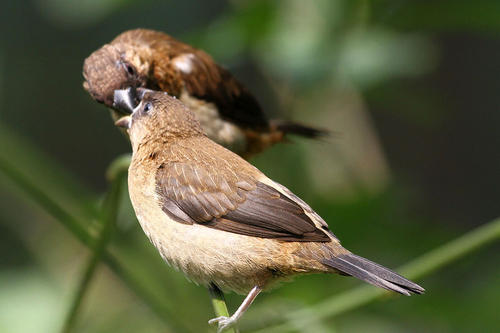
(373, 273)
(289, 127)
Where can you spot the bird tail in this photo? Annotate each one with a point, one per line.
(368, 271)
(289, 127)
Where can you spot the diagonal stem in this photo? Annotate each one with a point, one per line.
(219, 304)
(131, 279)
(422, 266)
(109, 212)
(51, 206)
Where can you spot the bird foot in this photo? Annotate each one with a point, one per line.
(223, 322)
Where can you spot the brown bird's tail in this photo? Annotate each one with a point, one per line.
(366, 270)
(289, 127)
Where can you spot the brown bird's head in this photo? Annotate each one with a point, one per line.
(113, 67)
(159, 117)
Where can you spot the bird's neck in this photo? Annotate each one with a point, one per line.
(162, 145)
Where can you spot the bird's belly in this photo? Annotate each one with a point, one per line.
(221, 131)
(233, 262)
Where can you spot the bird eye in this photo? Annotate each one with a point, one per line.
(148, 106)
(129, 68)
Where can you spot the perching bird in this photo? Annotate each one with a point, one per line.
(219, 219)
(229, 114)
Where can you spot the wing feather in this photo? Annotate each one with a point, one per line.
(210, 82)
(199, 193)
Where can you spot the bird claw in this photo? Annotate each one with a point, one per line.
(223, 322)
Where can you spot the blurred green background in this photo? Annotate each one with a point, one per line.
(410, 90)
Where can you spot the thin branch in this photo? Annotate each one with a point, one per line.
(51, 206)
(219, 304)
(75, 227)
(422, 266)
(109, 212)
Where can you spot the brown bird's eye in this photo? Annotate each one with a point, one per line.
(129, 68)
(148, 106)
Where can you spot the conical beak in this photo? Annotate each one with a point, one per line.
(125, 100)
(124, 122)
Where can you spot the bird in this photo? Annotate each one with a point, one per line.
(227, 111)
(218, 219)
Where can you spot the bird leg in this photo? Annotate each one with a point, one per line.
(226, 322)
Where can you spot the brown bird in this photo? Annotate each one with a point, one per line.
(219, 219)
(229, 114)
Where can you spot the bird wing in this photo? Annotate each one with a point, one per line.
(213, 194)
(206, 80)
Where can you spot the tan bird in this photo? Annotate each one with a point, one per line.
(228, 113)
(220, 220)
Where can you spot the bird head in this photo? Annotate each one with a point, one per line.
(110, 68)
(158, 117)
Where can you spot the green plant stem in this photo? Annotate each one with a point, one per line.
(108, 222)
(83, 235)
(149, 296)
(219, 304)
(422, 266)
(52, 207)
